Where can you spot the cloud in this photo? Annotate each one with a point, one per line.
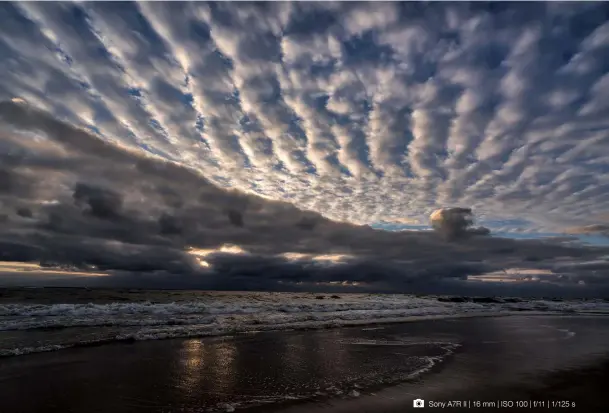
(363, 103)
(102, 203)
(235, 217)
(24, 212)
(455, 223)
(358, 113)
(602, 229)
(139, 218)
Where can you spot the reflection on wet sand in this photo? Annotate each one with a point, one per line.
(191, 364)
(209, 368)
(203, 375)
(223, 365)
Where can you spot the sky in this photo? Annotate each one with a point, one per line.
(132, 134)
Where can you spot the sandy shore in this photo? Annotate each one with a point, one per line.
(581, 389)
(357, 369)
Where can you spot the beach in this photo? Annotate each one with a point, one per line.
(532, 358)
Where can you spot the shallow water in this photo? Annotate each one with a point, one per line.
(553, 362)
(37, 320)
(321, 369)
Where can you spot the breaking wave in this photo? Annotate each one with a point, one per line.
(115, 322)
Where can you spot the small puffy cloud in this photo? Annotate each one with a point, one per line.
(455, 223)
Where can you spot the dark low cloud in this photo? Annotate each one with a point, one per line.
(78, 202)
(169, 225)
(235, 217)
(367, 271)
(102, 203)
(24, 212)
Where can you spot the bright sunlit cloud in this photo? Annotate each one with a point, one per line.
(200, 253)
(330, 258)
(8, 267)
(516, 275)
(363, 112)
(240, 145)
(224, 249)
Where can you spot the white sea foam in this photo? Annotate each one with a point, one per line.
(354, 389)
(28, 350)
(242, 313)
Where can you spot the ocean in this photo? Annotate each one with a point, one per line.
(79, 350)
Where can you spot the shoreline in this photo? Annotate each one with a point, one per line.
(301, 326)
(338, 370)
(580, 390)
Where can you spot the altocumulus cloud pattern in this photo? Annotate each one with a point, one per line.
(240, 145)
(364, 112)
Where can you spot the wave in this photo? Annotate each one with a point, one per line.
(352, 388)
(241, 314)
(273, 309)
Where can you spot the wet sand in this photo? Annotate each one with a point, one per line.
(582, 389)
(357, 369)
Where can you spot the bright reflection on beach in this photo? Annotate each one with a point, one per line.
(223, 367)
(192, 364)
(208, 366)
(194, 351)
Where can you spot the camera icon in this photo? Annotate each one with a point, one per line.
(418, 403)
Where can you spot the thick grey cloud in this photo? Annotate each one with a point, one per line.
(83, 203)
(102, 203)
(356, 112)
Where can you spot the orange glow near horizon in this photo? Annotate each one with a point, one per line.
(512, 275)
(226, 249)
(201, 253)
(25, 267)
(336, 258)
